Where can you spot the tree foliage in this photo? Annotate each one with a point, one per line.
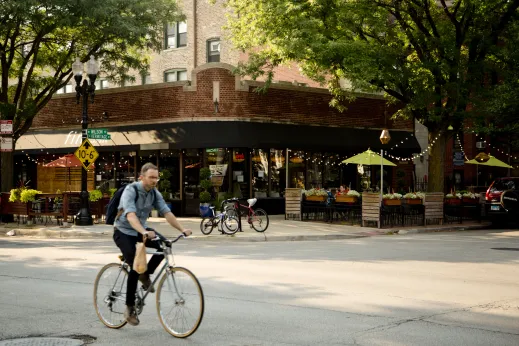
(431, 56)
(40, 39)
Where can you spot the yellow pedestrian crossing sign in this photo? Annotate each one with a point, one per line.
(86, 153)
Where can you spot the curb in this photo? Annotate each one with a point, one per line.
(446, 229)
(42, 233)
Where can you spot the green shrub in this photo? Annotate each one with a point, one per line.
(95, 195)
(15, 195)
(112, 192)
(29, 195)
(205, 173)
(206, 184)
(205, 197)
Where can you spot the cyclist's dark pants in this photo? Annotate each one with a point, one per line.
(127, 245)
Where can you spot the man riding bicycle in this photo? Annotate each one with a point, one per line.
(130, 227)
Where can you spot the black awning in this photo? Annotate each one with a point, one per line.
(226, 134)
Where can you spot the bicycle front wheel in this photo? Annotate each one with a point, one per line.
(110, 295)
(231, 224)
(180, 302)
(259, 220)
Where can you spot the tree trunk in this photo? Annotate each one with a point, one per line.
(6, 171)
(437, 162)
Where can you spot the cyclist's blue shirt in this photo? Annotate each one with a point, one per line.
(145, 203)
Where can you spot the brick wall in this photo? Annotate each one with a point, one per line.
(169, 102)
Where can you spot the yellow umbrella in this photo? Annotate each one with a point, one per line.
(491, 162)
(369, 158)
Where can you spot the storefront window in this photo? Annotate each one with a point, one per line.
(296, 169)
(331, 170)
(192, 165)
(314, 173)
(126, 168)
(104, 176)
(260, 172)
(217, 160)
(277, 171)
(240, 173)
(169, 168)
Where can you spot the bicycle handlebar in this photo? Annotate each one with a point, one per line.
(166, 240)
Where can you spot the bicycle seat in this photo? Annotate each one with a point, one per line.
(252, 201)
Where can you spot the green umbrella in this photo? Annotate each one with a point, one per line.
(368, 158)
(493, 162)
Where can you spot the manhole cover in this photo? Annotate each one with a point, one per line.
(42, 342)
(506, 248)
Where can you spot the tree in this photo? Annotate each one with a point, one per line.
(432, 57)
(40, 39)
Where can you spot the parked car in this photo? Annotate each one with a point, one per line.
(502, 200)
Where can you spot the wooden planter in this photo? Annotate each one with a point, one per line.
(467, 200)
(453, 201)
(413, 201)
(18, 208)
(316, 198)
(346, 199)
(392, 202)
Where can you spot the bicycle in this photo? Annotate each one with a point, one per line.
(172, 295)
(256, 218)
(230, 221)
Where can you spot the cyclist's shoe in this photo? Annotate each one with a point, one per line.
(131, 315)
(146, 282)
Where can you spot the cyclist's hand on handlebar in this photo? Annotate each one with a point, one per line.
(187, 232)
(151, 234)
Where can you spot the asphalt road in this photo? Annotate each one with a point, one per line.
(433, 289)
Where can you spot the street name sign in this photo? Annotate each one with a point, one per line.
(98, 134)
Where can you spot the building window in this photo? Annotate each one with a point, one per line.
(102, 84)
(213, 50)
(145, 78)
(176, 35)
(175, 75)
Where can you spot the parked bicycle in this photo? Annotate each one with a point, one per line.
(179, 296)
(225, 223)
(256, 218)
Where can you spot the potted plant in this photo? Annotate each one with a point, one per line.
(315, 195)
(413, 198)
(470, 198)
(205, 195)
(453, 198)
(392, 199)
(351, 196)
(165, 186)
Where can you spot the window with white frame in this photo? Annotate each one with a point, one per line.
(175, 35)
(145, 78)
(102, 84)
(213, 50)
(175, 75)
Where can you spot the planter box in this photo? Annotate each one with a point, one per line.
(18, 208)
(346, 199)
(467, 200)
(316, 198)
(453, 201)
(413, 201)
(392, 202)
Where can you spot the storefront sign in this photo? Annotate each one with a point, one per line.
(6, 127)
(86, 153)
(218, 170)
(6, 144)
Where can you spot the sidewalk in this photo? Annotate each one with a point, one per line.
(279, 230)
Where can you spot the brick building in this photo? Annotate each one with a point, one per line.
(217, 118)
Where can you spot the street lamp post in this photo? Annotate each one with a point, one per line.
(384, 139)
(84, 217)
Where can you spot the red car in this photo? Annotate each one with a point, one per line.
(502, 200)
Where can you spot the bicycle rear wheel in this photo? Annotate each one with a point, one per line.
(207, 225)
(180, 302)
(259, 220)
(110, 295)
